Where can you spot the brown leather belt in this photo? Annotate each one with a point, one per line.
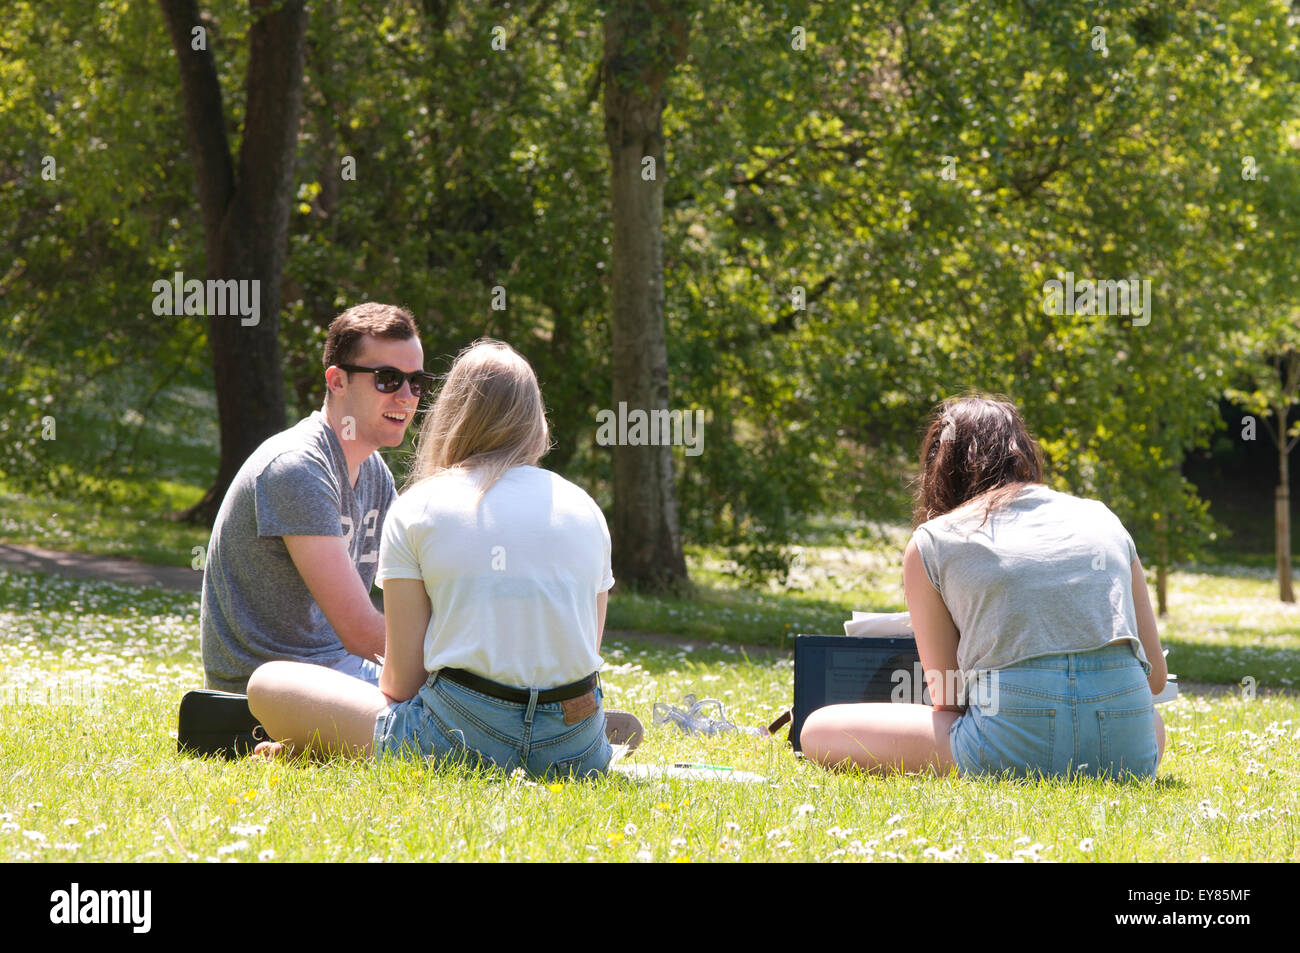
(519, 696)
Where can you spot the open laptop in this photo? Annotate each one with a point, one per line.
(844, 669)
(875, 661)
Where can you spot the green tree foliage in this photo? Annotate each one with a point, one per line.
(95, 205)
(921, 172)
(474, 177)
(911, 174)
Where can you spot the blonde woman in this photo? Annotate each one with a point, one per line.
(495, 577)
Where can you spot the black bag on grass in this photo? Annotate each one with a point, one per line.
(217, 723)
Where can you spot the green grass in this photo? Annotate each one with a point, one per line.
(1224, 623)
(93, 673)
(826, 584)
(135, 530)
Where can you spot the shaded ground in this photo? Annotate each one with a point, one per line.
(134, 572)
(106, 568)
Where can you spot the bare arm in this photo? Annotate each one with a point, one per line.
(1147, 633)
(936, 633)
(406, 613)
(327, 569)
(602, 602)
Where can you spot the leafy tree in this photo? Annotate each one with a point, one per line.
(642, 42)
(935, 188)
(245, 210)
(1266, 344)
(94, 207)
(861, 205)
(1274, 373)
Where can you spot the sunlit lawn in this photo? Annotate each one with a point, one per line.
(1224, 622)
(93, 673)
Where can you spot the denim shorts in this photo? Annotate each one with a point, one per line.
(363, 668)
(1085, 713)
(447, 721)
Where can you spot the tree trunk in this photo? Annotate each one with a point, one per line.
(1282, 510)
(245, 215)
(642, 42)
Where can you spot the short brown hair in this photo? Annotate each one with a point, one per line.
(975, 446)
(351, 327)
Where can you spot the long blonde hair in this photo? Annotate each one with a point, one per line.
(488, 417)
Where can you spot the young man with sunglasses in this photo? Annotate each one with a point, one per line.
(295, 545)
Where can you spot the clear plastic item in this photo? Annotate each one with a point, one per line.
(693, 717)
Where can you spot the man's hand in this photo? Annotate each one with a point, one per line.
(326, 567)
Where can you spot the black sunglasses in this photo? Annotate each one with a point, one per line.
(388, 380)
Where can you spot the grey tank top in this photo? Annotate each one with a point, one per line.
(1048, 573)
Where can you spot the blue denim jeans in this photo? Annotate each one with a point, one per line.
(363, 668)
(1075, 713)
(447, 721)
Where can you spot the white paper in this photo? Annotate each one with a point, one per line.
(659, 772)
(883, 625)
(1169, 693)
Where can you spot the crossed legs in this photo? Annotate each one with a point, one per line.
(879, 737)
(315, 710)
(884, 737)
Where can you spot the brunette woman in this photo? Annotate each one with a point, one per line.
(1032, 620)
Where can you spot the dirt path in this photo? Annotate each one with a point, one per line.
(107, 568)
(136, 573)
(133, 572)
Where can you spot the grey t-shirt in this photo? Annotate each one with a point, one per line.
(1048, 573)
(256, 607)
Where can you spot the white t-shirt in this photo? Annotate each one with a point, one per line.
(512, 579)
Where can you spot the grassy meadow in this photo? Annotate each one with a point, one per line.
(93, 673)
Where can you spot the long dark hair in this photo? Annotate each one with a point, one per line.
(975, 446)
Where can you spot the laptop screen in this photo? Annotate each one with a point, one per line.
(844, 669)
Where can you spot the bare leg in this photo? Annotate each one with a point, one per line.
(310, 708)
(880, 737)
